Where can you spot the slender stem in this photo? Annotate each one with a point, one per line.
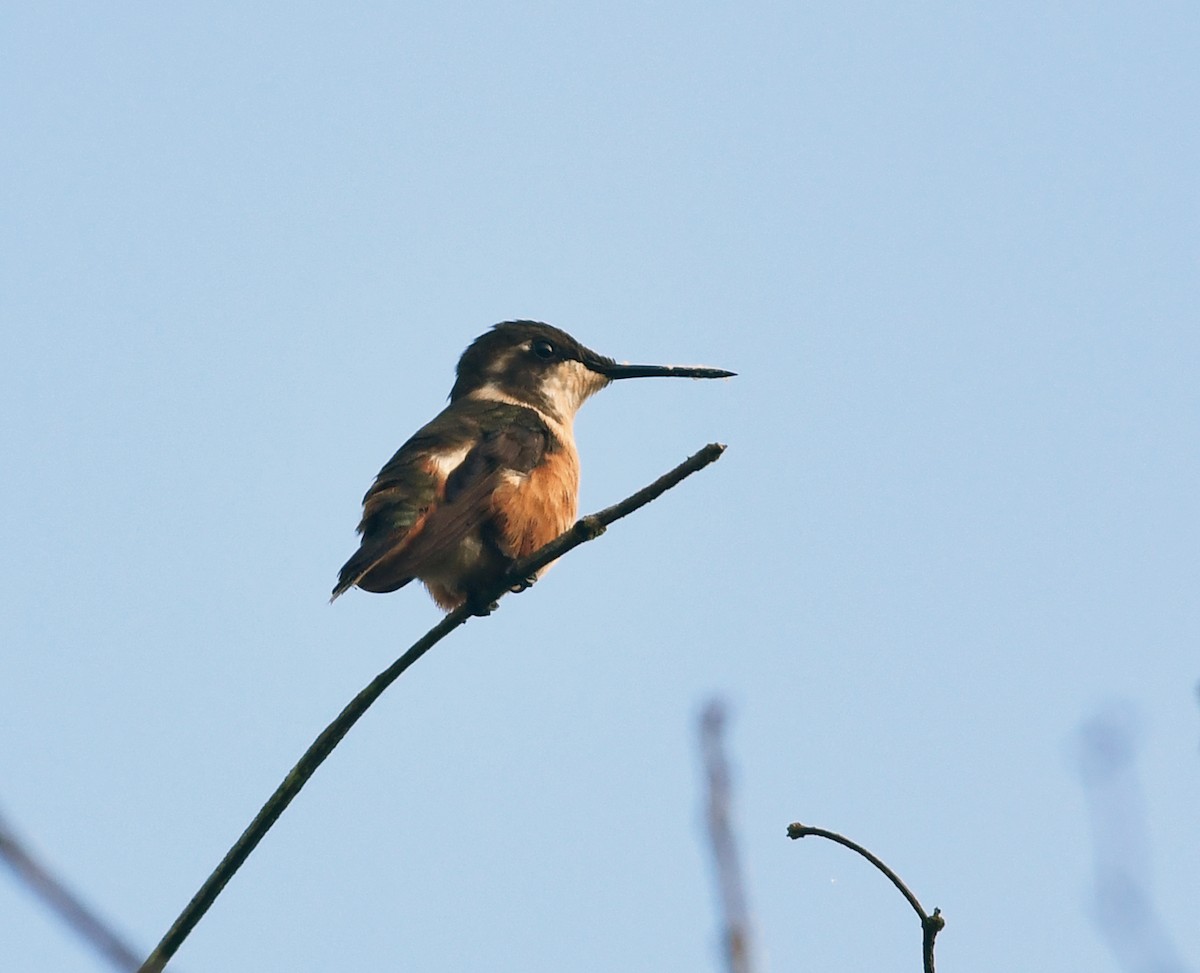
(931, 924)
(586, 529)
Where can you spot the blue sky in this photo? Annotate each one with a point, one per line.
(952, 251)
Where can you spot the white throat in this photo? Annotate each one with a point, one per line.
(564, 388)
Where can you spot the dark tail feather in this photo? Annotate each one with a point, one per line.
(345, 583)
(339, 589)
(356, 570)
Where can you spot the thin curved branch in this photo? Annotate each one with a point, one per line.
(586, 529)
(931, 924)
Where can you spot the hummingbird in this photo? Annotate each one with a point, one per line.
(494, 476)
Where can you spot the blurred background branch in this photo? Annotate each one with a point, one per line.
(735, 918)
(1124, 910)
(74, 913)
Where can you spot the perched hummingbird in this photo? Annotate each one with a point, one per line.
(495, 476)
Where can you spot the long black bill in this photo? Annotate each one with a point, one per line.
(615, 371)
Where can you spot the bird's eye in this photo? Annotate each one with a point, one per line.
(543, 349)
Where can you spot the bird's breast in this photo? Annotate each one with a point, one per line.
(531, 509)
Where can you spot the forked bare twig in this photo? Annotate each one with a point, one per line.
(931, 923)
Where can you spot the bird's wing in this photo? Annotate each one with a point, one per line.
(500, 457)
(436, 490)
(395, 511)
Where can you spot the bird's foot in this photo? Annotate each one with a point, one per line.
(481, 608)
(523, 584)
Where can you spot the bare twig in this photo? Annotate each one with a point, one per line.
(736, 917)
(64, 903)
(586, 529)
(931, 924)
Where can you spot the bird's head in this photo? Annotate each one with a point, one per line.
(541, 366)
